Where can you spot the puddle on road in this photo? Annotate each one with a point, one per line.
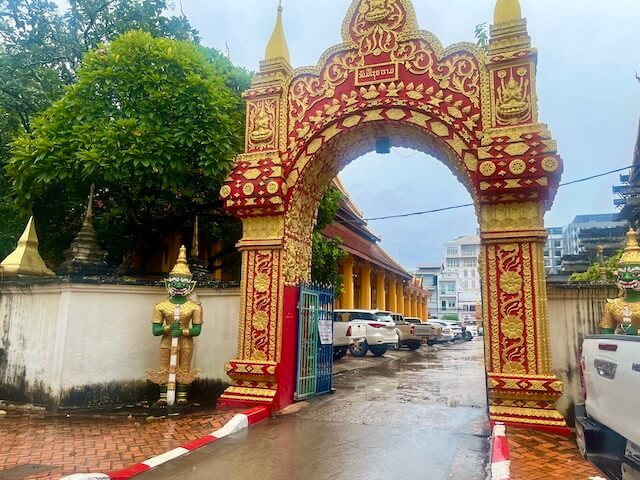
(451, 376)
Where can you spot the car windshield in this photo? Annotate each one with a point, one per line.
(384, 317)
(413, 320)
(363, 316)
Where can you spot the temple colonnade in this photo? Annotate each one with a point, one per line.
(368, 286)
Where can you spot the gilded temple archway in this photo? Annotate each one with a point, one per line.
(474, 111)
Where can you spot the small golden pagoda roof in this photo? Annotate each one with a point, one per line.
(25, 259)
(507, 11)
(181, 268)
(277, 46)
(631, 255)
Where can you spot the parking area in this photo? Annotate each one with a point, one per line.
(350, 363)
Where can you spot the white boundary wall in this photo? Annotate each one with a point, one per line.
(574, 311)
(57, 337)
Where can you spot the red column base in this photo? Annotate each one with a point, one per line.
(231, 403)
(565, 431)
(545, 419)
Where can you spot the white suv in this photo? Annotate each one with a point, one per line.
(360, 331)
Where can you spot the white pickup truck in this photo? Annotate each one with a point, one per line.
(608, 423)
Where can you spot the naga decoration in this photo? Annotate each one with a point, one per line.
(177, 320)
(622, 315)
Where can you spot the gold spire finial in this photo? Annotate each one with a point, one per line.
(277, 46)
(25, 259)
(181, 269)
(507, 11)
(631, 255)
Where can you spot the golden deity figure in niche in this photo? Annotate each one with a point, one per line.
(513, 100)
(262, 129)
(376, 10)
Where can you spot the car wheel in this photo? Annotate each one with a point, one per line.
(338, 353)
(414, 346)
(378, 350)
(467, 336)
(397, 345)
(359, 349)
(431, 343)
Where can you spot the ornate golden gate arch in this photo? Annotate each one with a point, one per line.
(476, 112)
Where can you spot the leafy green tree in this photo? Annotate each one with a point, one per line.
(595, 271)
(326, 253)
(41, 47)
(152, 123)
(40, 51)
(481, 34)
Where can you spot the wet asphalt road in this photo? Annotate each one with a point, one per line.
(419, 417)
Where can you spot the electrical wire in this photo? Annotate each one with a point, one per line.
(596, 176)
(424, 212)
(455, 207)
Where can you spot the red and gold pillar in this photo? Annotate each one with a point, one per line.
(518, 172)
(254, 379)
(522, 387)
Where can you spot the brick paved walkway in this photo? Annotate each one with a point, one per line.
(43, 447)
(542, 456)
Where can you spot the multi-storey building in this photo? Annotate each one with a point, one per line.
(553, 250)
(586, 232)
(629, 190)
(460, 277)
(455, 286)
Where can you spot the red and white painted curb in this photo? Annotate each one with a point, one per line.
(500, 458)
(237, 423)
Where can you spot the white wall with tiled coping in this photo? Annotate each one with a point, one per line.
(57, 337)
(574, 312)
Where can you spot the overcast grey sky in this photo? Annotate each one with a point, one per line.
(588, 53)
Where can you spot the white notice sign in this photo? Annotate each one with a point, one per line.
(325, 329)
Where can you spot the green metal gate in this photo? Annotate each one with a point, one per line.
(315, 341)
